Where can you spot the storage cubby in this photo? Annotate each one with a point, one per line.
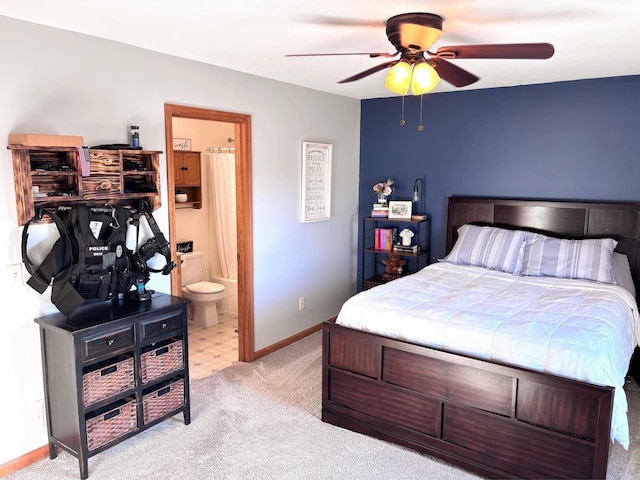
(52, 177)
(188, 178)
(373, 268)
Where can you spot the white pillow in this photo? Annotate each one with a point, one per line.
(588, 259)
(488, 247)
(622, 273)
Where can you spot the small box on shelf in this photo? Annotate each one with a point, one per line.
(39, 140)
(387, 277)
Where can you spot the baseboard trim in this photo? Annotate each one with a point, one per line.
(24, 460)
(287, 341)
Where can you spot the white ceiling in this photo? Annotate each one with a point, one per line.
(592, 38)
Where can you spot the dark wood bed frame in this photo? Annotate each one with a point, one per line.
(494, 419)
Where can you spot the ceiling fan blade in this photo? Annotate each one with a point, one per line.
(370, 54)
(342, 21)
(369, 71)
(506, 50)
(453, 74)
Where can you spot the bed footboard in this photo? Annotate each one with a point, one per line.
(493, 419)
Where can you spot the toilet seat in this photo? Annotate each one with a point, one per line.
(204, 287)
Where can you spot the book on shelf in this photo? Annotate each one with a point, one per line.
(405, 248)
(379, 213)
(385, 238)
(380, 210)
(381, 206)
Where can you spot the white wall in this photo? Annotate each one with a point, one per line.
(64, 83)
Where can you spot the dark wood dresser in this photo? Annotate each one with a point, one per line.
(112, 370)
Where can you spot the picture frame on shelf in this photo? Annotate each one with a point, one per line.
(400, 209)
(316, 182)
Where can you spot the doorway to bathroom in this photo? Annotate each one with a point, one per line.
(208, 131)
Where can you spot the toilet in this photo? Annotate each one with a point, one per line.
(204, 296)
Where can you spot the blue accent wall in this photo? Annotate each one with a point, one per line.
(576, 140)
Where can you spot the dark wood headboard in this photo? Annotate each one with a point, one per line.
(620, 221)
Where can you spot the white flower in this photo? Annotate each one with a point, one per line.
(385, 188)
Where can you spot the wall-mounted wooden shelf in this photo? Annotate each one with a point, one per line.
(112, 176)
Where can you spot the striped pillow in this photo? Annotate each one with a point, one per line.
(488, 247)
(589, 259)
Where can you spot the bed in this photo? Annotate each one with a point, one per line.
(500, 417)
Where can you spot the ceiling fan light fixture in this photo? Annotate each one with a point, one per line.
(398, 78)
(425, 78)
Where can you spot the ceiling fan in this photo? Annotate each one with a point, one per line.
(412, 34)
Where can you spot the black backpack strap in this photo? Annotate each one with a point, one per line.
(157, 244)
(57, 265)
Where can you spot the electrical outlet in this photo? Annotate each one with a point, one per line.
(301, 302)
(14, 274)
(41, 417)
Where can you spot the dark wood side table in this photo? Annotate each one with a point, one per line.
(111, 370)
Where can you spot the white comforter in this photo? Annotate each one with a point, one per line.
(578, 329)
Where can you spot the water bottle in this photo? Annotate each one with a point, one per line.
(135, 136)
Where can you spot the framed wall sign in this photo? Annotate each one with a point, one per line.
(182, 144)
(316, 182)
(400, 209)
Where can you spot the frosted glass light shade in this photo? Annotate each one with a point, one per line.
(425, 79)
(399, 78)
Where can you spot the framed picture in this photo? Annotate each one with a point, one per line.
(400, 209)
(316, 182)
(182, 144)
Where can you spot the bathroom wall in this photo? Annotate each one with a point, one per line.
(193, 224)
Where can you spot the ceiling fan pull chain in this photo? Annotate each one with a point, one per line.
(421, 127)
(402, 115)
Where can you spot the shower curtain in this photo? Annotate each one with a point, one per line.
(221, 198)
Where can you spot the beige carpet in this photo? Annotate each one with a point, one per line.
(261, 421)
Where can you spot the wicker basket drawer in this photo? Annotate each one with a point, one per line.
(107, 381)
(163, 400)
(110, 423)
(163, 358)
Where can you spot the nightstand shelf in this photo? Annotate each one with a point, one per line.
(373, 268)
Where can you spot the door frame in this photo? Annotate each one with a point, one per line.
(244, 212)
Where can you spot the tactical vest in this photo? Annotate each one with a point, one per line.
(90, 261)
(103, 263)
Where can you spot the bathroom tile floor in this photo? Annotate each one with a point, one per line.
(213, 348)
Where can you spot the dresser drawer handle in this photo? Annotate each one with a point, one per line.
(162, 351)
(105, 185)
(164, 391)
(110, 341)
(109, 415)
(108, 370)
